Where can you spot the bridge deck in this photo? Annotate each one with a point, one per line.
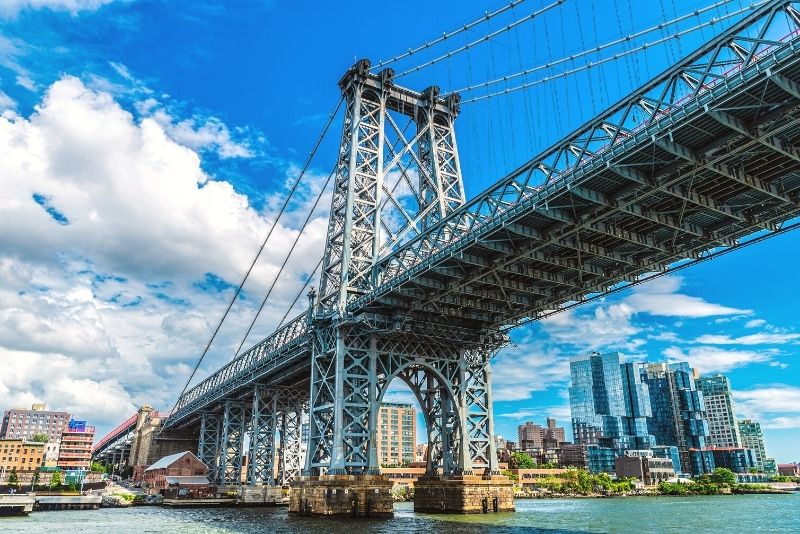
(713, 171)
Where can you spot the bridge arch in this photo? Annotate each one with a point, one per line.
(437, 397)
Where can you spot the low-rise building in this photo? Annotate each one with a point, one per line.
(189, 487)
(646, 468)
(20, 455)
(737, 459)
(181, 464)
(789, 470)
(572, 455)
(668, 451)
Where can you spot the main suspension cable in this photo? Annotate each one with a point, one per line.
(600, 48)
(615, 57)
(263, 244)
(448, 35)
(483, 39)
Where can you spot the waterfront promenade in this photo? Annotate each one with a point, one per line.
(737, 513)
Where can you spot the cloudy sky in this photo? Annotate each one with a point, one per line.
(145, 148)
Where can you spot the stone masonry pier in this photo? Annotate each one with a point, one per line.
(467, 494)
(342, 495)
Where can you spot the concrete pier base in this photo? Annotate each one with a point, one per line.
(262, 496)
(467, 494)
(342, 495)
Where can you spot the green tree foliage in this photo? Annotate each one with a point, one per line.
(40, 437)
(693, 488)
(55, 480)
(722, 475)
(97, 467)
(520, 460)
(13, 479)
(513, 477)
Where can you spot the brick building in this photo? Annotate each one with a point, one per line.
(21, 455)
(533, 436)
(181, 464)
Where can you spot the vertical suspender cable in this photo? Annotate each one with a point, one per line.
(261, 249)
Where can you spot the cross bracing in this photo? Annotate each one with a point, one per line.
(698, 162)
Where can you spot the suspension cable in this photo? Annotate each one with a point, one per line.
(300, 293)
(446, 35)
(600, 48)
(263, 244)
(484, 39)
(615, 57)
(286, 260)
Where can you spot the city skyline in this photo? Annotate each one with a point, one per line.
(112, 277)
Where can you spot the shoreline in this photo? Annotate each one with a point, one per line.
(649, 494)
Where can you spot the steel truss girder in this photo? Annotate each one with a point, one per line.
(662, 101)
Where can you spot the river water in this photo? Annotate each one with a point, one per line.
(734, 513)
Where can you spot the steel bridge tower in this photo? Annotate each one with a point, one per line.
(356, 356)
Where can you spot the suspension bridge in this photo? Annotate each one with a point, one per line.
(419, 283)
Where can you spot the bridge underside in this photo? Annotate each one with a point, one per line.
(720, 172)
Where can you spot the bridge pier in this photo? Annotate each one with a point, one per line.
(342, 495)
(463, 494)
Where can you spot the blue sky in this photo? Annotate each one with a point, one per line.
(147, 143)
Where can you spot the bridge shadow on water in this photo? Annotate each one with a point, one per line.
(250, 520)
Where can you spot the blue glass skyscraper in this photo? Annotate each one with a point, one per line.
(678, 409)
(609, 403)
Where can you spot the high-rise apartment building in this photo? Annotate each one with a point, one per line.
(76, 446)
(678, 411)
(753, 439)
(609, 403)
(533, 436)
(397, 433)
(19, 423)
(723, 431)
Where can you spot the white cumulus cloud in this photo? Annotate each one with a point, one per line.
(118, 254)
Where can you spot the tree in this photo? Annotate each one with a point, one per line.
(13, 479)
(55, 480)
(722, 475)
(520, 460)
(97, 467)
(40, 437)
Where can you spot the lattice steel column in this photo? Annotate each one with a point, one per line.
(263, 423)
(233, 430)
(340, 402)
(478, 416)
(353, 238)
(208, 445)
(291, 419)
(441, 185)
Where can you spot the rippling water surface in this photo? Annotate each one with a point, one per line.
(735, 513)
